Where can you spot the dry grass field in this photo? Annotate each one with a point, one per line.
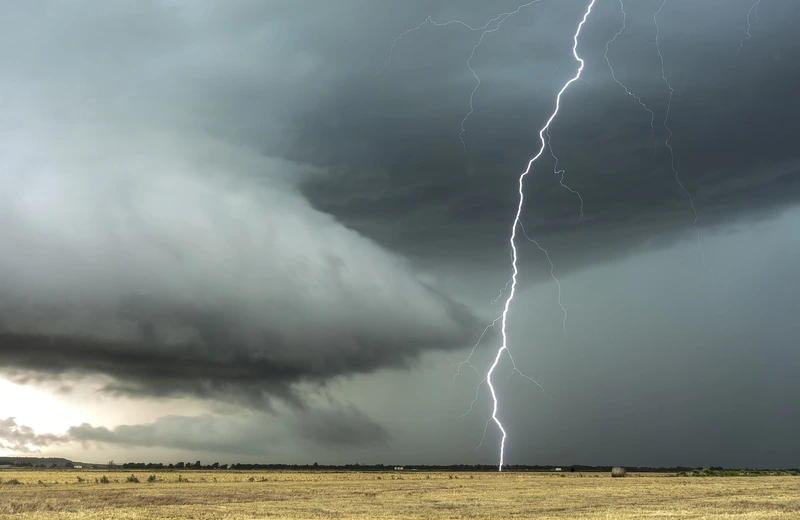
(231, 495)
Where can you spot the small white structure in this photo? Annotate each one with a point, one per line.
(399, 468)
(77, 467)
(557, 469)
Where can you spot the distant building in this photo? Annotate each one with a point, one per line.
(557, 469)
(5, 466)
(399, 468)
(77, 467)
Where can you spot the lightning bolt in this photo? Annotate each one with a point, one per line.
(486, 29)
(504, 319)
(560, 63)
(754, 11)
(500, 18)
(552, 275)
(669, 133)
(500, 294)
(515, 370)
(561, 182)
(511, 285)
(624, 29)
(468, 361)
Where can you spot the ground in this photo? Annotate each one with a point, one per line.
(58, 494)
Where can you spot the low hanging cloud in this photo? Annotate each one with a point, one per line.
(338, 426)
(342, 427)
(181, 265)
(144, 246)
(23, 439)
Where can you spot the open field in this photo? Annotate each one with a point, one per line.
(51, 494)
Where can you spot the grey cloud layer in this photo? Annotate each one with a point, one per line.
(23, 439)
(341, 427)
(163, 270)
(250, 435)
(138, 246)
(300, 83)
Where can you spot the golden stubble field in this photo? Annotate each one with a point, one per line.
(231, 495)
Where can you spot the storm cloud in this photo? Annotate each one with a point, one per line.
(141, 248)
(733, 130)
(239, 202)
(160, 271)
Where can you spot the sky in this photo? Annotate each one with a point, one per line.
(274, 231)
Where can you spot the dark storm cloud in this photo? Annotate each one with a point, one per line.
(142, 243)
(408, 183)
(300, 82)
